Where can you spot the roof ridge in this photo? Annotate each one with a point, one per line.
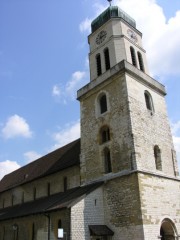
(46, 165)
(34, 161)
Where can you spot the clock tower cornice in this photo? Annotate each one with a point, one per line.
(122, 68)
(103, 27)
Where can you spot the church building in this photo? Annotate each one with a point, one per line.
(120, 181)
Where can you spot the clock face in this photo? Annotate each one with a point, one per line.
(132, 35)
(101, 37)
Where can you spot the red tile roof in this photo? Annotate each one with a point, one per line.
(62, 158)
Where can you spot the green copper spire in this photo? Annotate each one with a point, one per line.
(111, 12)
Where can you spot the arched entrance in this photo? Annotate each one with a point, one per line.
(168, 230)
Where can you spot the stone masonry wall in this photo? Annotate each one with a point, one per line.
(88, 211)
(159, 200)
(123, 208)
(150, 128)
(117, 119)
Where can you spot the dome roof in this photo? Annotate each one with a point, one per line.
(111, 12)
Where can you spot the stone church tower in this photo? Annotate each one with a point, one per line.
(125, 134)
(120, 180)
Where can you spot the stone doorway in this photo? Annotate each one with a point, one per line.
(168, 230)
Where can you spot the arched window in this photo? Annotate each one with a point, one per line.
(133, 56)
(107, 59)
(107, 160)
(157, 156)
(98, 64)
(104, 134)
(141, 64)
(148, 100)
(65, 184)
(103, 103)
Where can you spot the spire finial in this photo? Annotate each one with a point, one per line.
(110, 2)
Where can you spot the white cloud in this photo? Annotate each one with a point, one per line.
(85, 25)
(175, 127)
(70, 133)
(87, 63)
(56, 91)
(68, 92)
(176, 141)
(16, 126)
(31, 156)
(7, 167)
(75, 82)
(160, 35)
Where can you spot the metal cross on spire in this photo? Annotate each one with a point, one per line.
(110, 2)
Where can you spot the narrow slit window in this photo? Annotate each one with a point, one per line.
(133, 56)
(33, 231)
(157, 156)
(12, 200)
(4, 233)
(107, 161)
(103, 104)
(48, 189)
(98, 64)
(141, 64)
(105, 134)
(59, 223)
(22, 197)
(65, 184)
(34, 193)
(107, 59)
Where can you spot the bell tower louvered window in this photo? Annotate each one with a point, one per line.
(141, 64)
(98, 64)
(107, 59)
(133, 56)
(107, 160)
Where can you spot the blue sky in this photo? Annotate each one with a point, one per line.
(44, 60)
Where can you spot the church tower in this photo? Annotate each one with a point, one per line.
(125, 134)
